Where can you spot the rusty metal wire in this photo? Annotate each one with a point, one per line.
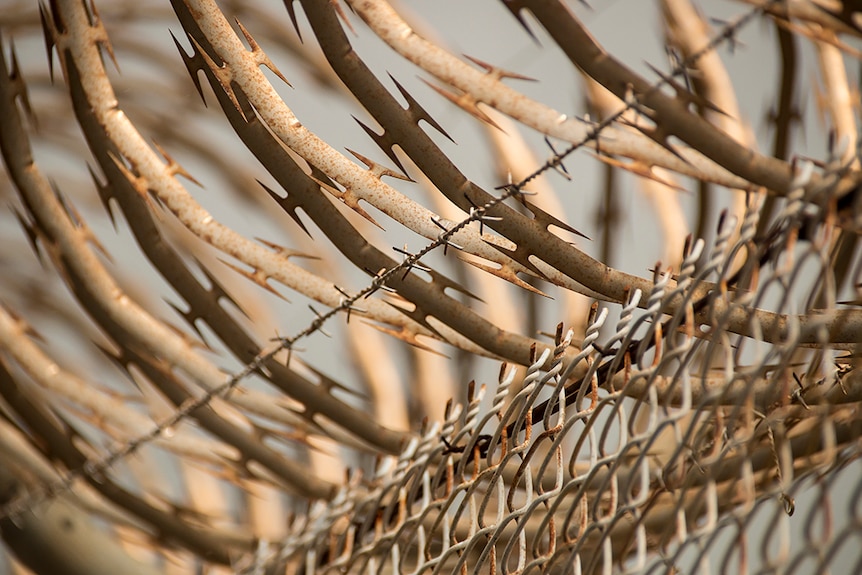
(97, 467)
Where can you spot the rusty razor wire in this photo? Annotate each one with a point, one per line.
(704, 420)
(478, 214)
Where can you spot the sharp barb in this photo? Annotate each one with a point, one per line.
(217, 290)
(498, 72)
(546, 219)
(419, 317)
(256, 277)
(639, 169)
(106, 194)
(658, 136)
(49, 30)
(684, 93)
(405, 336)
(383, 142)
(508, 275)
(288, 5)
(515, 7)
(31, 233)
(193, 63)
(190, 318)
(467, 103)
(379, 170)
(288, 205)
(20, 86)
(417, 111)
(349, 200)
(286, 252)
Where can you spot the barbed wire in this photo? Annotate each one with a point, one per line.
(91, 469)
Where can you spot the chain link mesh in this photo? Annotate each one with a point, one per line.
(689, 454)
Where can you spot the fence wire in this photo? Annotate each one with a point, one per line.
(688, 455)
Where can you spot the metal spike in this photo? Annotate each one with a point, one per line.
(447, 242)
(348, 199)
(404, 335)
(474, 209)
(729, 33)
(506, 273)
(685, 94)
(106, 194)
(379, 170)
(521, 255)
(23, 325)
(377, 276)
(658, 135)
(467, 103)
(637, 168)
(103, 38)
(340, 12)
(189, 340)
(286, 252)
(416, 264)
(86, 230)
(496, 72)
(677, 64)
(350, 308)
(288, 204)
(546, 220)
(320, 317)
(174, 168)
(31, 233)
(260, 55)
(419, 317)
(514, 191)
(191, 318)
(417, 111)
(138, 183)
(193, 63)
(515, 7)
(383, 142)
(217, 290)
(443, 283)
(288, 5)
(329, 384)
(560, 168)
(256, 276)
(50, 26)
(221, 73)
(20, 87)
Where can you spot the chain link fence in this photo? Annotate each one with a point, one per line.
(669, 453)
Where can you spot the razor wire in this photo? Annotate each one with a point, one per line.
(95, 467)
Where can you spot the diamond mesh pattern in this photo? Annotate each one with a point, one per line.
(691, 458)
